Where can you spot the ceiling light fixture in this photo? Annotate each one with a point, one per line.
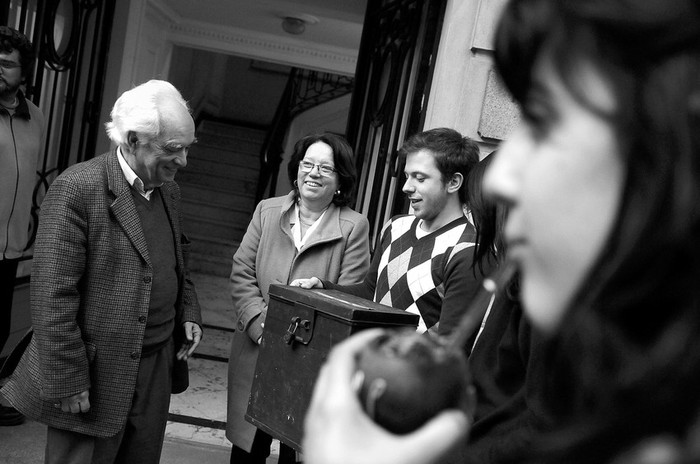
(295, 23)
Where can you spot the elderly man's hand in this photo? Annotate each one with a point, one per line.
(75, 404)
(193, 334)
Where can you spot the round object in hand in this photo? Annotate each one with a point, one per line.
(409, 378)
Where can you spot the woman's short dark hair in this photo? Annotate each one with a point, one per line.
(453, 153)
(12, 39)
(630, 348)
(343, 160)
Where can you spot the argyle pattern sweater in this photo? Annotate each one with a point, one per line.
(430, 276)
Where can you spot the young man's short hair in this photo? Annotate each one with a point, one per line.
(453, 153)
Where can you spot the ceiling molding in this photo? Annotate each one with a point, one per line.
(261, 46)
(160, 9)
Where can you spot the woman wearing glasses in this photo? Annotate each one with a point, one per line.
(310, 231)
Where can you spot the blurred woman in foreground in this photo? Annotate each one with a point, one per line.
(602, 182)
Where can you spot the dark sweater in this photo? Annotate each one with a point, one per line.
(161, 251)
(430, 276)
(506, 365)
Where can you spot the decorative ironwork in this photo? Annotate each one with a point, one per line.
(71, 41)
(314, 88)
(399, 39)
(305, 89)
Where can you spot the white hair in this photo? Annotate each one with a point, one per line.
(138, 110)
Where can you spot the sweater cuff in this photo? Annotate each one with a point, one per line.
(255, 329)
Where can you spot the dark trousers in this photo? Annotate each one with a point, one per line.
(141, 439)
(8, 272)
(260, 451)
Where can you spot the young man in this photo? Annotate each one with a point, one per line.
(21, 142)
(424, 261)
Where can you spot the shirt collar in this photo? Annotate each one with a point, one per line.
(22, 106)
(131, 177)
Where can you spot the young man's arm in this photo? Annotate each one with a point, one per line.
(364, 289)
(462, 284)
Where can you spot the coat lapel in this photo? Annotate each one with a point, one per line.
(329, 228)
(327, 231)
(124, 208)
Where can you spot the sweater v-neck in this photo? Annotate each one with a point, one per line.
(449, 225)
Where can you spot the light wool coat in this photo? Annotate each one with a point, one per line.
(90, 291)
(337, 251)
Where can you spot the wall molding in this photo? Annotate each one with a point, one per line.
(266, 47)
(281, 49)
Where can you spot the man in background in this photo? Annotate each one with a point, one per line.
(21, 142)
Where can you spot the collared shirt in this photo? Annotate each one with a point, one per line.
(131, 177)
(299, 241)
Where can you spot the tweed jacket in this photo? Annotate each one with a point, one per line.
(338, 251)
(90, 292)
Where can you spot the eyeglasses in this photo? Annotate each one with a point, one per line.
(170, 148)
(7, 65)
(173, 148)
(323, 169)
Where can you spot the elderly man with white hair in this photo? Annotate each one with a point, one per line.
(115, 315)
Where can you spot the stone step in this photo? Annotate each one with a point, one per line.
(215, 227)
(234, 210)
(214, 293)
(200, 154)
(213, 265)
(200, 194)
(212, 126)
(210, 255)
(218, 192)
(241, 181)
(206, 245)
(235, 138)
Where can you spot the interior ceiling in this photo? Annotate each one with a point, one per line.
(339, 21)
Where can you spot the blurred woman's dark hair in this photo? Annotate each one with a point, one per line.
(489, 218)
(343, 161)
(626, 362)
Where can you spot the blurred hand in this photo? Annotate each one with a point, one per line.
(337, 430)
(313, 282)
(193, 334)
(75, 404)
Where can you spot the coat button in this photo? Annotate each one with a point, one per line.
(142, 319)
(147, 279)
(135, 355)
